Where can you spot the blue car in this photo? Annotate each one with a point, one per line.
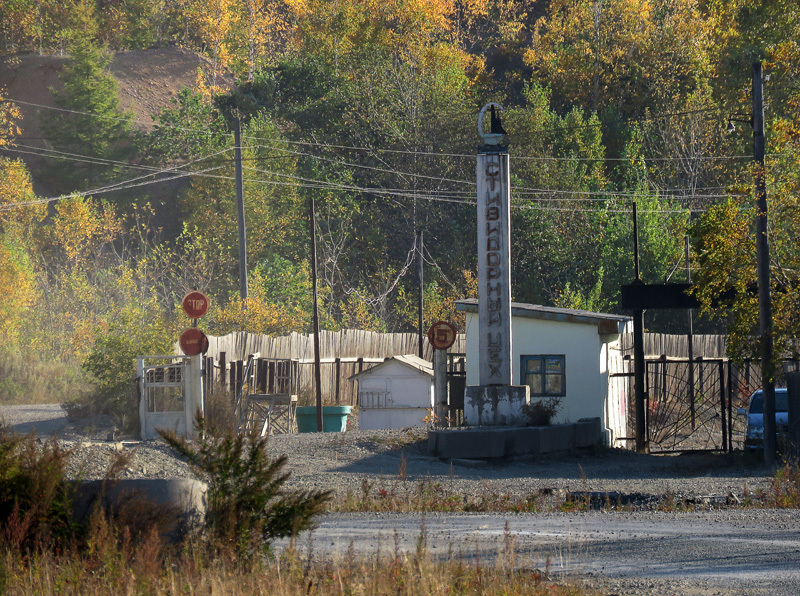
(754, 435)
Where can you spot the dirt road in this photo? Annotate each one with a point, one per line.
(744, 552)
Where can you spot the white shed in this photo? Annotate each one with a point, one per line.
(565, 353)
(396, 393)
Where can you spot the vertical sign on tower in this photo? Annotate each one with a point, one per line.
(494, 256)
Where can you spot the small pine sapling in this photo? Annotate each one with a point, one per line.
(247, 504)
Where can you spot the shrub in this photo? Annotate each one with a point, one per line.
(112, 362)
(247, 505)
(541, 411)
(784, 491)
(35, 498)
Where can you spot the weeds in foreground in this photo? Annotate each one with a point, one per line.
(156, 571)
(403, 496)
(784, 491)
(35, 498)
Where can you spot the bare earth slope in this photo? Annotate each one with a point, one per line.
(148, 80)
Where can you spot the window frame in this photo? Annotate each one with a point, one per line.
(542, 358)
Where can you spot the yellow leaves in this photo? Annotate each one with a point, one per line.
(619, 51)
(9, 117)
(298, 8)
(207, 89)
(17, 287)
(82, 227)
(16, 188)
(258, 315)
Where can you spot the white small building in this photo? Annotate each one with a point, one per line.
(396, 393)
(562, 353)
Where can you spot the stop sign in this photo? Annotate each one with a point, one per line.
(195, 304)
(193, 342)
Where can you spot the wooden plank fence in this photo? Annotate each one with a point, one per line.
(342, 354)
(677, 346)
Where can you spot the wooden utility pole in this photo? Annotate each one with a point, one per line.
(638, 349)
(420, 301)
(762, 254)
(690, 343)
(237, 139)
(315, 311)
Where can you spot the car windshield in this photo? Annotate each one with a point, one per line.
(757, 403)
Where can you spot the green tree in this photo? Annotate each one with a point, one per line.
(557, 221)
(93, 123)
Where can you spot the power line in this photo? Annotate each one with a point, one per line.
(518, 190)
(124, 185)
(429, 153)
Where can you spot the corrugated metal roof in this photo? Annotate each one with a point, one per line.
(551, 313)
(410, 360)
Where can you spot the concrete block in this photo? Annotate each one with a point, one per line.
(558, 437)
(501, 442)
(496, 405)
(465, 444)
(588, 432)
(526, 440)
(183, 499)
(469, 463)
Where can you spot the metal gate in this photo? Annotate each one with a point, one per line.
(162, 394)
(698, 411)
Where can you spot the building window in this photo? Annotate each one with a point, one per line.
(544, 374)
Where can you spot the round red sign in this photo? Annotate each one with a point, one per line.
(193, 342)
(442, 335)
(195, 304)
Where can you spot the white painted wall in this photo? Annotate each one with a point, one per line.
(403, 393)
(587, 366)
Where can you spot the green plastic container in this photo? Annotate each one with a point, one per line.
(334, 419)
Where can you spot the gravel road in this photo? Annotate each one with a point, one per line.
(747, 552)
(718, 550)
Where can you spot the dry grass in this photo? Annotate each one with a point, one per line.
(403, 496)
(784, 492)
(114, 567)
(44, 550)
(26, 380)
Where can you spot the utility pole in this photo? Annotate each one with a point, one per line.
(690, 342)
(315, 311)
(762, 253)
(237, 139)
(638, 349)
(420, 268)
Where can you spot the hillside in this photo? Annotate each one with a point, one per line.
(148, 80)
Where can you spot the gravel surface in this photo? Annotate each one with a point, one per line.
(640, 551)
(747, 552)
(398, 459)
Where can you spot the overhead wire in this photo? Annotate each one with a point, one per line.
(430, 195)
(518, 190)
(296, 181)
(422, 153)
(126, 184)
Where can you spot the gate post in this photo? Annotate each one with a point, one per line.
(194, 393)
(793, 399)
(723, 413)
